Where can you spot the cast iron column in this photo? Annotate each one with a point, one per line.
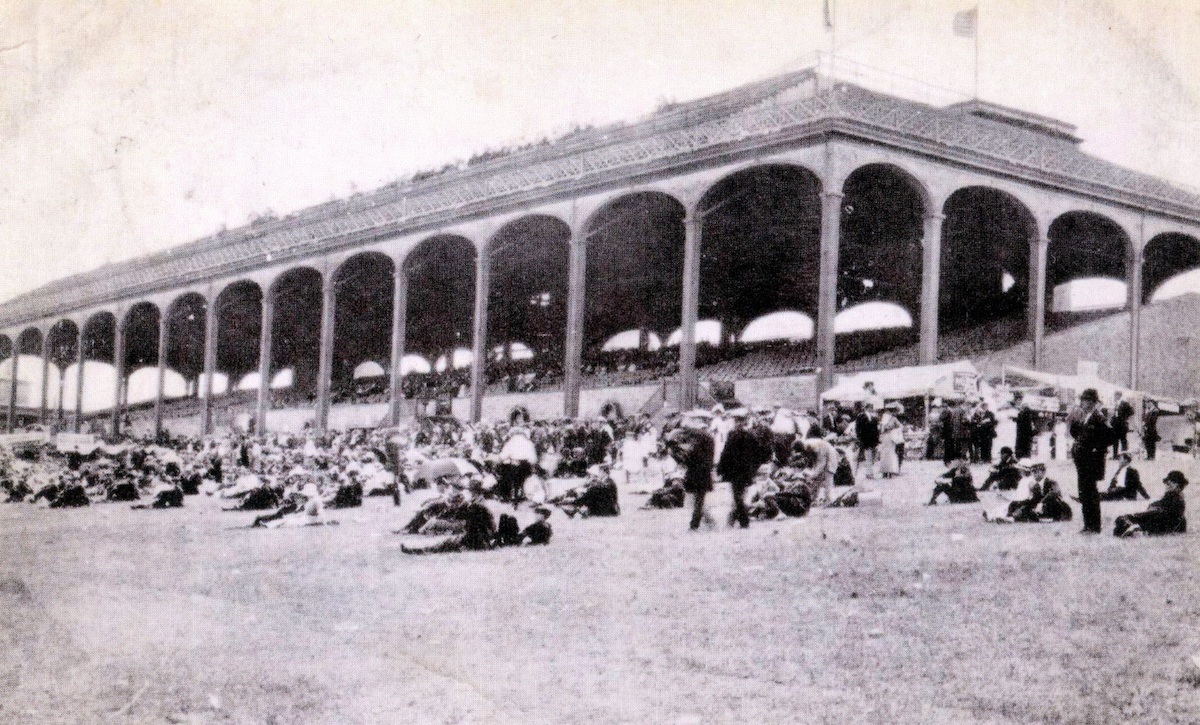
(325, 368)
(576, 300)
(266, 322)
(831, 224)
(399, 322)
(479, 336)
(691, 306)
(930, 285)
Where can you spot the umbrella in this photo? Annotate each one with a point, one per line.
(433, 470)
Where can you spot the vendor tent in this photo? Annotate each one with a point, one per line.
(1071, 385)
(954, 379)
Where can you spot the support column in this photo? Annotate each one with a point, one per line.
(688, 383)
(931, 274)
(325, 368)
(210, 363)
(162, 372)
(79, 355)
(1037, 297)
(479, 336)
(576, 301)
(45, 379)
(267, 321)
(831, 226)
(119, 367)
(12, 392)
(399, 324)
(1135, 316)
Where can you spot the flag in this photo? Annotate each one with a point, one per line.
(828, 15)
(966, 22)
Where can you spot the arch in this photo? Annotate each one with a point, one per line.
(899, 171)
(634, 266)
(791, 325)
(362, 328)
(368, 369)
(1083, 244)
(412, 363)
(527, 284)
(761, 244)
(140, 326)
(62, 343)
(881, 251)
(186, 336)
(298, 298)
(872, 316)
(29, 342)
(6, 347)
(99, 333)
(708, 332)
(441, 295)
(1166, 256)
(238, 328)
(987, 234)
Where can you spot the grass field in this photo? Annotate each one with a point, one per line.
(896, 614)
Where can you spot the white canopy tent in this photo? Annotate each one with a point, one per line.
(1078, 383)
(922, 381)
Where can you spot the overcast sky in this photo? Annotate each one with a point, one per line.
(128, 128)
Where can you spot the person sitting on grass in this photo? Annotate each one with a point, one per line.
(539, 532)
(1164, 516)
(596, 497)
(1043, 501)
(670, 496)
(1005, 474)
(1126, 483)
(957, 484)
(479, 531)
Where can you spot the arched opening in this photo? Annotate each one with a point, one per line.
(440, 311)
(28, 361)
(708, 332)
(1168, 257)
(141, 336)
(787, 325)
(238, 330)
(634, 281)
(185, 340)
(1093, 250)
(296, 330)
(986, 239)
(62, 345)
(760, 254)
(98, 354)
(527, 301)
(362, 323)
(880, 254)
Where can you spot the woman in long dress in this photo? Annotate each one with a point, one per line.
(890, 431)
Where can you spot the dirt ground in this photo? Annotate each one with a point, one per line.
(902, 613)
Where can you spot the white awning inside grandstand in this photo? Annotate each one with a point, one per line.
(1076, 383)
(935, 381)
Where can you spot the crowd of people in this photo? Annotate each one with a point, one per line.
(496, 484)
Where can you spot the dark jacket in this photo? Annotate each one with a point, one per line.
(866, 429)
(741, 457)
(696, 457)
(1092, 436)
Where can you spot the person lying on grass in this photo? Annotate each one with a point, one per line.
(1042, 500)
(956, 483)
(479, 532)
(670, 496)
(1164, 516)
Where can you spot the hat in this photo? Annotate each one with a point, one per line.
(1090, 394)
(1177, 478)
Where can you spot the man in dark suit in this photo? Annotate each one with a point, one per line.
(1093, 436)
(1150, 435)
(1122, 412)
(1025, 424)
(1164, 516)
(1126, 483)
(692, 448)
(740, 460)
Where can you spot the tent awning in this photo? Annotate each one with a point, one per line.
(911, 382)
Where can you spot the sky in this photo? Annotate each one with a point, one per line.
(128, 128)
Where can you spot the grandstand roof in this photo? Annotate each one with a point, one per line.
(791, 108)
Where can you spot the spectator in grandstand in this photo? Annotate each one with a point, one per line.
(1092, 436)
(1126, 482)
(1164, 516)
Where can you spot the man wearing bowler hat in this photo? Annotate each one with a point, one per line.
(1093, 436)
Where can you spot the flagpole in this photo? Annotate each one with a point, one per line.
(977, 52)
